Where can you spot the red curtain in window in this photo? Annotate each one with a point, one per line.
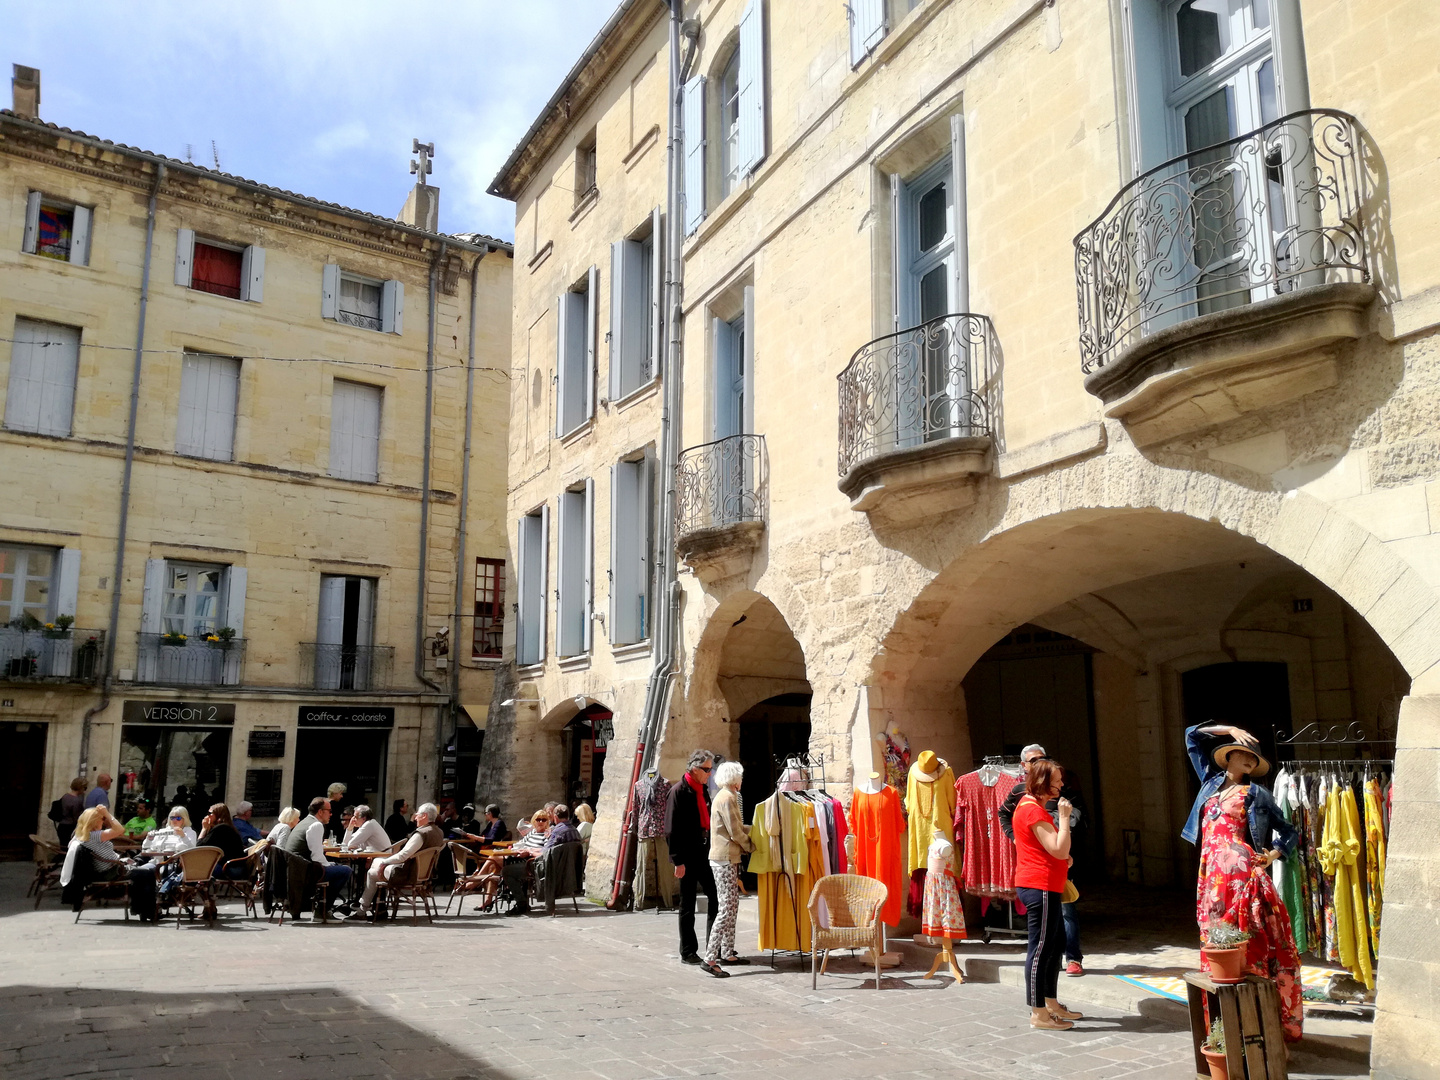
(216, 270)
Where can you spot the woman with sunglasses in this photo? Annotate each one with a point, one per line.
(152, 882)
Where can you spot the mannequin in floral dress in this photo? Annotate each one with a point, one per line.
(942, 916)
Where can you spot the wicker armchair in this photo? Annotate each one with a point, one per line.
(853, 904)
(413, 887)
(197, 864)
(248, 886)
(463, 859)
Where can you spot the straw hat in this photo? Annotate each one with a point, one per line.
(1222, 752)
(927, 762)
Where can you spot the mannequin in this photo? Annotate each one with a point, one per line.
(877, 827)
(930, 803)
(871, 785)
(943, 918)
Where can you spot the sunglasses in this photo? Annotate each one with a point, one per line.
(176, 817)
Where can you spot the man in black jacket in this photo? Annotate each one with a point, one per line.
(687, 828)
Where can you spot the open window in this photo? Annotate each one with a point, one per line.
(575, 592)
(636, 285)
(206, 264)
(57, 229)
(345, 634)
(365, 302)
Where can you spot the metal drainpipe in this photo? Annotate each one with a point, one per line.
(125, 481)
(425, 517)
(460, 560)
(667, 588)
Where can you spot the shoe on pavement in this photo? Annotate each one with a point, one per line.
(518, 911)
(691, 958)
(715, 969)
(1050, 1022)
(1062, 1013)
(734, 961)
(1073, 969)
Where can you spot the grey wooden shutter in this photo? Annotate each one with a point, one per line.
(562, 357)
(899, 223)
(747, 364)
(40, 395)
(252, 274)
(626, 559)
(80, 236)
(235, 581)
(365, 615)
(614, 621)
(184, 256)
(524, 616)
(152, 601)
(957, 201)
(693, 118)
(67, 582)
(544, 579)
(727, 375)
(867, 27)
(209, 394)
(657, 293)
(330, 291)
(645, 528)
(392, 307)
(592, 329)
(618, 285)
(588, 603)
(31, 243)
(751, 149)
(330, 627)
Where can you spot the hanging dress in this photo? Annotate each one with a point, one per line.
(1375, 859)
(1233, 889)
(879, 827)
(1290, 872)
(941, 915)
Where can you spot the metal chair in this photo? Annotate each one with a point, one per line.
(197, 866)
(413, 887)
(853, 905)
(249, 886)
(49, 858)
(461, 857)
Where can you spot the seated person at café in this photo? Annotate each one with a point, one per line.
(461, 829)
(584, 823)
(533, 840)
(94, 833)
(241, 820)
(395, 868)
(283, 824)
(307, 840)
(218, 830)
(175, 835)
(365, 833)
(143, 822)
(518, 871)
(397, 825)
(159, 872)
(494, 830)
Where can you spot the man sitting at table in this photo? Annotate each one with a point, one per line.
(307, 839)
(426, 835)
(365, 833)
(241, 820)
(142, 823)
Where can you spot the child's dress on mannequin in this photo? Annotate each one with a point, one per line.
(942, 916)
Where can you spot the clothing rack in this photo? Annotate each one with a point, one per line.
(810, 770)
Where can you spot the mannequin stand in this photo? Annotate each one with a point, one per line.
(947, 952)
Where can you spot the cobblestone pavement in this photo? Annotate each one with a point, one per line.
(587, 996)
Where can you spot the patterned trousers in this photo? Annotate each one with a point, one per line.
(727, 889)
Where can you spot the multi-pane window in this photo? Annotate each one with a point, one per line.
(209, 393)
(26, 583)
(360, 302)
(635, 319)
(344, 657)
(57, 229)
(40, 394)
(356, 300)
(585, 167)
(219, 268)
(575, 570)
(532, 573)
(355, 431)
(192, 602)
(575, 354)
(730, 125)
(630, 546)
(489, 607)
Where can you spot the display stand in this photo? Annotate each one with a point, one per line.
(946, 953)
(808, 771)
(1249, 1016)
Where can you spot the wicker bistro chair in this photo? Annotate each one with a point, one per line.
(462, 858)
(197, 865)
(48, 860)
(412, 884)
(249, 886)
(853, 904)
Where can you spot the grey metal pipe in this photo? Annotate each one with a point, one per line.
(460, 560)
(123, 526)
(425, 512)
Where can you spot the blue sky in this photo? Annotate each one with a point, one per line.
(315, 97)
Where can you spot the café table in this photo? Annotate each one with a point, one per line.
(359, 862)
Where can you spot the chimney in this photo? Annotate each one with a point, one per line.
(422, 206)
(25, 91)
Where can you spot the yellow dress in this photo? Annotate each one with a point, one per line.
(1359, 922)
(787, 863)
(1339, 849)
(1374, 860)
(929, 805)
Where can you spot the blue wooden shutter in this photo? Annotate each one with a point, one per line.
(618, 287)
(693, 117)
(867, 27)
(252, 274)
(592, 331)
(751, 150)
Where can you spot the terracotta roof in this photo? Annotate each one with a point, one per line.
(471, 239)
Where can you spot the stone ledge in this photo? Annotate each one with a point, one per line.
(722, 551)
(907, 486)
(1214, 368)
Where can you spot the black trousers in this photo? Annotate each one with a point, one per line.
(697, 878)
(1047, 944)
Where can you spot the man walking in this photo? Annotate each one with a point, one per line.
(687, 828)
(100, 793)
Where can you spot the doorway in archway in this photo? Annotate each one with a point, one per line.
(770, 732)
(584, 741)
(1254, 695)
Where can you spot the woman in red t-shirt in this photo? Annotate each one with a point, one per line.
(1042, 857)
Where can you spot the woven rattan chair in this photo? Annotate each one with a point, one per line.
(249, 886)
(48, 860)
(853, 904)
(414, 888)
(197, 864)
(463, 859)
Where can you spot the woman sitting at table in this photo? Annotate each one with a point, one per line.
(218, 830)
(365, 833)
(152, 882)
(490, 870)
(288, 819)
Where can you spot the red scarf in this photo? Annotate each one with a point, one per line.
(700, 802)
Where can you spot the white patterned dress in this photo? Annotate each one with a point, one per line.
(942, 916)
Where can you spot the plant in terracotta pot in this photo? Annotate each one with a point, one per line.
(1214, 1050)
(1224, 950)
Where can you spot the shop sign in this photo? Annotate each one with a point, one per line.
(346, 716)
(209, 713)
(587, 763)
(267, 744)
(262, 791)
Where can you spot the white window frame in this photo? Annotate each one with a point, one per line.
(205, 424)
(636, 333)
(20, 577)
(532, 558)
(631, 548)
(252, 265)
(575, 355)
(727, 100)
(191, 621)
(733, 411)
(575, 570)
(357, 411)
(82, 220)
(868, 26)
(392, 300)
(44, 369)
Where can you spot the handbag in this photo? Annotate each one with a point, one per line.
(1071, 893)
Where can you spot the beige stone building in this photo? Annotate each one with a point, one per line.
(1052, 371)
(243, 551)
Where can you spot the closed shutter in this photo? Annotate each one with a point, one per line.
(40, 396)
(330, 629)
(252, 274)
(575, 345)
(80, 236)
(592, 329)
(31, 242)
(645, 518)
(355, 431)
(657, 294)
(209, 392)
(615, 558)
(524, 614)
(589, 597)
(392, 307)
(618, 286)
(235, 581)
(330, 291)
(634, 317)
(570, 573)
(67, 582)
(152, 601)
(184, 256)
(867, 27)
(747, 364)
(562, 374)
(365, 614)
(751, 149)
(693, 118)
(626, 559)
(544, 592)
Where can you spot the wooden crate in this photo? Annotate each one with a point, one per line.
(1249, 1012)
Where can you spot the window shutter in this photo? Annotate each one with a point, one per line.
(209, 391)
(747, 364)
(867, 27)
(152, 602)
(961, 258)
(693, 118)
(330, 291)
(342, 429)
(592, 328)
(32, 223)
(184, 256)
(330, 629)
(727, 373)
(365, 615)
(524, 619)
(657, 291)
(40, 396)
(80, 236)
(615, 557)
(562, 376)
(67, 582)
(626, 555)
(618, 294)
(544, 579)
(751, 150)
(235, 578)
(588, 604)
(644, 517)
(252, 274)
(392, 307)
(569, 574)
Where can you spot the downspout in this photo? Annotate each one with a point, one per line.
(460, 560)
(123, 528)
(667, 588)
(425, 515)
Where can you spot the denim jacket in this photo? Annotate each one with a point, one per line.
(1261, 813)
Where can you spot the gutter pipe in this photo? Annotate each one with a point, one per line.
(425, 512)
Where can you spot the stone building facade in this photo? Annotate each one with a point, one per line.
(1053, 372)
(235, 515)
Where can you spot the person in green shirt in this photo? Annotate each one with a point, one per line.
(143, 822)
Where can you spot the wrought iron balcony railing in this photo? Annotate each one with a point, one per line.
(721, 483)
(59, 655)
(346, 667)
(919, 386)
(1263, 214)
(167, 660)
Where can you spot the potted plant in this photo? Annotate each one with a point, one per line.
(173, 637)
(1224, 950)
(60, 628)
(1214, 1050)
(23, 667)
(221, 638)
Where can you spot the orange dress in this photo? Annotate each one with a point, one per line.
(879, 827)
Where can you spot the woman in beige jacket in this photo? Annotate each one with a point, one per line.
(728, 838)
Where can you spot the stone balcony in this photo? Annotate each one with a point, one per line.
(722, 497)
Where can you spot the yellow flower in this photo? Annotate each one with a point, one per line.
(49, 626)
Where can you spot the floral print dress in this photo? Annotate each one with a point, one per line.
(942, 916)
(1233, 889)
